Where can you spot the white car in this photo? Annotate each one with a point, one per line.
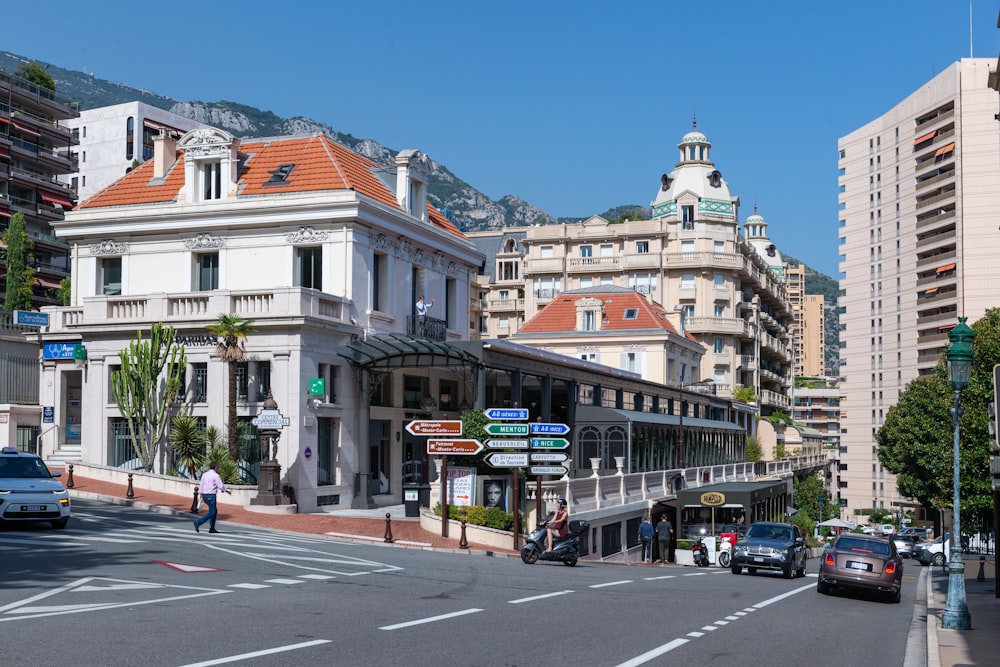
(886, 529)
(29, 492)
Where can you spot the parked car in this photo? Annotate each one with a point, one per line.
(886, 529)
(921, 533)
(862, 562)
(771, 546)
(29, 492)
(934, 552)
(905, 544)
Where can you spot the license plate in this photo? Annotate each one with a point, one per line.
(855, 565)
(33, 508)
(758, 559)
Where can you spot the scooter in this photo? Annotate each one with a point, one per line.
(726, 543)
(566, 551)
(699, 552)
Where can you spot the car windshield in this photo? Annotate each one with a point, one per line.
(24, 468)
(780, 533)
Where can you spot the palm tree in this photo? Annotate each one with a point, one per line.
(232, 331)
(187, 439)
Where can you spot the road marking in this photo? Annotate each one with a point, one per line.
(430, 619)
(667, 576)
(257, 654)
(709, 628)
(250, 586)
(655, 653)
(612, 583)
(538, 597)
(778, 598)
(379, 539)
(695, 574)
(285, 581)
(695, 634)
(184, 567)
(318, 577)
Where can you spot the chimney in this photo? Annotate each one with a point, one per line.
(164, 154)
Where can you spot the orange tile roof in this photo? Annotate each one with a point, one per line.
(560, 315)
(320, 165)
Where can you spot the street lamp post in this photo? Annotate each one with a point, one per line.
(956, 610)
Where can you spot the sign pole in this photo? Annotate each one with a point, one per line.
(538, 497)
(517, 513)
(444, 495)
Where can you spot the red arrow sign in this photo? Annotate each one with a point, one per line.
(454, 446)
(435, 427)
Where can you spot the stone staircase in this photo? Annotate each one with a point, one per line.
(66, 454)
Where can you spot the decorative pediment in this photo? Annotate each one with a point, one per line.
(307, 235)
(206, 142)
(108, 247)
(204, 242)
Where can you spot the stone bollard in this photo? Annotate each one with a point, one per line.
(982, 571)
(130, 493)
(69, 481)
(194, 501)
(462, 542)
(388, 527)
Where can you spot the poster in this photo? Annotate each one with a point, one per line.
(461, 482)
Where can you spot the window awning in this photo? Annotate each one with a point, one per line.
(55, 199)
(946, 267)
(4, 151)
(399, 351)
(4, 214)
(932, 290)
(4, 120)
(46, 282)
(947, 327)
(25, 128)
(924, 137)
(945, 149)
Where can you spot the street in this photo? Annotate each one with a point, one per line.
(121, 586)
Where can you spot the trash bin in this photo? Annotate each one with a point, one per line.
(424, 494)
(411, 500)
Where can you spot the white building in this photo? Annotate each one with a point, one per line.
(314, 244)
(919, 195)
(116, 138)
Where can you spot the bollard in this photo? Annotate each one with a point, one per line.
(462, 542)
(388, 527)
(194, 501)
(69, 481)
(130, 493)
(982, 572)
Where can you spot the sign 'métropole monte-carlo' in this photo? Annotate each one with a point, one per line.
(435, 427)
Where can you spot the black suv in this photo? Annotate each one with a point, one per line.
(771, 546)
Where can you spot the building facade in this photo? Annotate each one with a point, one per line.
(919, 191)
(37, 146)
(809, 332)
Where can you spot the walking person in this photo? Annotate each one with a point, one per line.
(210, 485)
(646, 537)
(664, 531)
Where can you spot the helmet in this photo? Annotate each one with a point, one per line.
(562, 502)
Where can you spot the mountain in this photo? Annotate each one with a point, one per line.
(469, 208)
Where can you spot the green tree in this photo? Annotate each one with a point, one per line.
(744, 394)
(145, 385)
(66, 291)
(232, 331)
(916, 440)
(19, 257)
(754, 451)
(37, 75)
(805, 498)
(188, 441)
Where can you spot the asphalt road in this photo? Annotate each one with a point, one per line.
(121, 586)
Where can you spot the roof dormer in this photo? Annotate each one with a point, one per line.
(412, 172)
(211, 163)
(589, 314)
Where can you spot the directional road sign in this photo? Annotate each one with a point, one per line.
(507, 444)
(516, 414)
(540, 428)
(33, 319)
(548, 457)
(506, 429)
(454, 446)
(549, 443)
(435, 427)
(507, 459)
(547, 470)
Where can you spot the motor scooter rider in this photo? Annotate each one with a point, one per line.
(558, 526)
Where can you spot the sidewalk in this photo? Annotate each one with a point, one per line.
(981, 644)
(367, 526)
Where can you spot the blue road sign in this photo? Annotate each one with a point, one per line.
(517, 414)
(30, 318)
(549, 429)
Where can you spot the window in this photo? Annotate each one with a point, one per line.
(545, 252)
(687, 246)
(631, 313)
(607, 280)
(309, 267)
(719, 345)
(720, 281)
(719, 246)
(504, 295)
(630, 362)
(588, 320)
(641, 247)
(111, 276)
(504, 324)
(264, 382)
(607, 250)
(211, 181)
(687, 281)
(207, 271)
(200, 388)
(129, 138)
(242, 381)
(586, 251)
(687, 217)
(586, 282)
(380, 281)
(720, 310)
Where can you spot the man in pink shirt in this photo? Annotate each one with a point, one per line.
(210, 485)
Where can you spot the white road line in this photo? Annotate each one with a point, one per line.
(430, 619)
(285, 581)
(41, 543)
(709, 628)
(252, 587)
(257, 654)
(695, 574)
(778, 598)
(695, 634)
(318, 577)
(668, 576)
(538, 597)
(612, 583)
(655, 653)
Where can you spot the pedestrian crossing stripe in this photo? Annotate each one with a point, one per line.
(184, 567)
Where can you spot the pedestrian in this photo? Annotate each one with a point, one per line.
(210, 485)
(664, 531)
(422, 309)
(646, 537)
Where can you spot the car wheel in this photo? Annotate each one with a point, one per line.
(822, 587)
(801, 572)
(937, 560)
(751, 570)
(897, 596)
(530, 553)
(736, 569)
(788, 572)
(59, 524)
(724, 559)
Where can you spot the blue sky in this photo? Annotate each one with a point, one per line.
(575, 107)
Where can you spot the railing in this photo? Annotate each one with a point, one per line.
(430, 328)
(594, 263)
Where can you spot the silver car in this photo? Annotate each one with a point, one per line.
(29, 491)
(905, 545)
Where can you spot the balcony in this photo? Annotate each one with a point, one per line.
(722, 325)
(506, 305)
(774, 399)
(642, 260)
(685, 260)
(594, 264)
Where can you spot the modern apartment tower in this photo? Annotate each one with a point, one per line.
(919, 195)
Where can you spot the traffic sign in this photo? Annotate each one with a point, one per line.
(516, 414)
(506, 429)
(547, 470)
(435, 427)
(465, 447)
(507, 444)
(550, 443)
(33, 319)
(549, 429)
(550, 457)
(507, 459)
